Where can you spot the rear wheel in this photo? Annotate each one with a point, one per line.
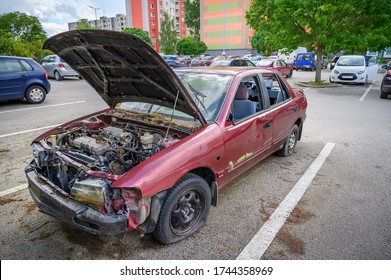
(185, 209)
(57, 76)
(290, 142)
(290, 74)
(35, 94)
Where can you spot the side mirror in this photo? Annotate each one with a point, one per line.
(385, 66)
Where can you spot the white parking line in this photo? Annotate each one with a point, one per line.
(264, 237)
(40, 107)
(30, 130)
(13, 190)
(366, 92)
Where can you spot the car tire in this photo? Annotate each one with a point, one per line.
(330, 80)
(35, 94)
(290, 74)
(383, 94)
(57, 76)
(184, 210)
(290, 143)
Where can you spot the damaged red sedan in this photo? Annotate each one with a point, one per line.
(156, 159)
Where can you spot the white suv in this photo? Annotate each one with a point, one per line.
(354, 69)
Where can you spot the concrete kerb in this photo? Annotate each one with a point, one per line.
(325, 85)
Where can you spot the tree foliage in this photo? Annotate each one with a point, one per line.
(321, 25)
(168, 37)
(190, 45)
(84, 25)
(139, 33)
(21, 35)
(192, 16)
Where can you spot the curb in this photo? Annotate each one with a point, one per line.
(327, 85)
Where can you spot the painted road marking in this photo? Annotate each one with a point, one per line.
(13, 190)
(366, 92)
(30, 130)
(40, 107)
(264, 237)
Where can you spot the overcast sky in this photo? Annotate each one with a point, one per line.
(54, 15)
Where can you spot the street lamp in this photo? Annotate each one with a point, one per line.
(96, 18)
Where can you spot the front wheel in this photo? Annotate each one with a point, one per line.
(185, 209)
(290, 142)
(35, 94)
(290, 74)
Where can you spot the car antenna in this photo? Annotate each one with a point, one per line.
(172, 115)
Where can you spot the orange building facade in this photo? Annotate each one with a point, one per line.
(223, 25)
(148, 15)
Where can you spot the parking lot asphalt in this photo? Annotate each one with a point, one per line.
(344, 213)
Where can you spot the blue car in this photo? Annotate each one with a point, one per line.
(22, 77)
(305, 61)
(172, 60)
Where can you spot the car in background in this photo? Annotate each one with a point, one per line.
(276, 64)
(22, 77)
(305, 61)
(354, 69)
(156, 159)
(325, 62)
(57, 68)
(385, 88)
(256, 59)
(174, 61)
(237, 62)
(333, 62)
(201, 61)
(187, 59)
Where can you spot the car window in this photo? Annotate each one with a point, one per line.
(52, 59)
(9, 65)
(26, 65)
(248, 99)
(276, 89)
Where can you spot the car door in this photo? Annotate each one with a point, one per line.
(282, 67)
(12, 78)
(372, 68)
(249, 137)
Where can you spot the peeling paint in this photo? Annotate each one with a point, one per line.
(242, 158)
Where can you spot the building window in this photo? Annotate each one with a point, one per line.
(152, 14)
(249, 27)
(151, 6)
(249, 40)
(153, 23)
(153, 31)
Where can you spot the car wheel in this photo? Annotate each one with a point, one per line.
(290, 74)
(57, 76)
(383, 94)
(290, 142)
(185, 209)
(366, 80)
(330, 80)
(35, 94)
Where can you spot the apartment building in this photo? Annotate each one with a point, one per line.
(148, 15)
(223, 26)
(117, 23)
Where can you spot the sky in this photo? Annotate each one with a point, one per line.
(54, 15)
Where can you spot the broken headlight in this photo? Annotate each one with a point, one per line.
(92, 191)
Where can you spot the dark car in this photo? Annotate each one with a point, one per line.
(22, 77)
(238, 62)
(276, 64)
(333, 62)
(385, 88)
(156, 159)
(201, 61)
(174, 61)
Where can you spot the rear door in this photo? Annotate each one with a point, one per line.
(12, 78)
(372, 68)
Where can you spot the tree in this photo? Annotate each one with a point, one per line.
(139, 33)
(84, 25)
(168, 37)
(190, 45)
(320, 25)
(22, 27)
(192, 17)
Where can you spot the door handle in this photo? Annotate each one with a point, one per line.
(266, 125)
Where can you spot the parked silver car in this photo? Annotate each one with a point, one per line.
(57, 68)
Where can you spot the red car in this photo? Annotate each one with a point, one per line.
(276, 64)
(156, 159)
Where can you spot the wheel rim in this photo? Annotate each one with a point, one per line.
(292, 141)
(57, 76)
(36, 94)
(187, 212)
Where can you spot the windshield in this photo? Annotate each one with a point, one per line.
(265, 62)
(221, 63)
(207, 90)
(351, 61)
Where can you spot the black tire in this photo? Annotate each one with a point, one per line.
(290, 142)
(383, 94)
(330, 80)
(35, 94)
(57, 76)
(184, 210)
(290, 74)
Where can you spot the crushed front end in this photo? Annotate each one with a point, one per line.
(74, 167)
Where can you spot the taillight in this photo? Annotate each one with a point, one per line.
(177, 62)
(389, 72)
(61, 65)
(46, 75)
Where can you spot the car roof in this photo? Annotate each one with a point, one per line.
(11, 56)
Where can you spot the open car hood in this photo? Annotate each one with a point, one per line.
(122, 67)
